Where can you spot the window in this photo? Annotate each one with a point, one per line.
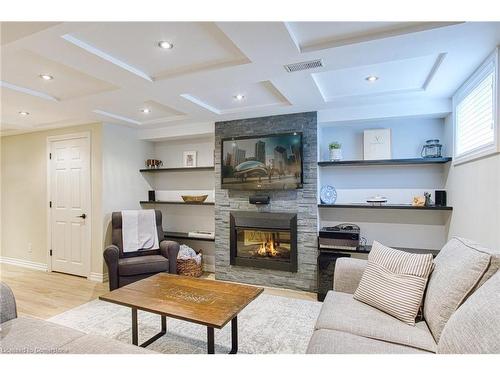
(475, 113)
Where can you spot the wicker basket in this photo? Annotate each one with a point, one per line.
(189, 267)
(194, 198)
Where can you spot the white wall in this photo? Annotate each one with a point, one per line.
(354, 184)
(474, 192)
(407, 134)
(123, 186)
(24, 196)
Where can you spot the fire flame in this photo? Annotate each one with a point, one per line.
(267, 248)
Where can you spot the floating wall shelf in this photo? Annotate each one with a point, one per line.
(386, 206)
(385, 162)
(367, 249)
(185, 236)
(179, 202)
(180, 169)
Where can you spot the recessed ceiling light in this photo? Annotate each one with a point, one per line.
(165, 45)
(239, 97)
(371, 78)
(46, 77)
(24, 113)
(145, 110)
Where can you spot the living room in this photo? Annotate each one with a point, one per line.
(305, 187)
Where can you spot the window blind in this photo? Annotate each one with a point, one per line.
(474, 118)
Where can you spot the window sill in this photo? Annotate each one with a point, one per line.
(491, 151)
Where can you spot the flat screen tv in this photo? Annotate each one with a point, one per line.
(266, 162)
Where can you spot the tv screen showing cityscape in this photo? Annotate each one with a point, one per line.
(270, 162)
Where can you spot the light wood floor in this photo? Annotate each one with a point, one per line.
(45, 294)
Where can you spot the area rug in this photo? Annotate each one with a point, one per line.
(269, 324)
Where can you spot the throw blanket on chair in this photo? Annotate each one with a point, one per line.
(139, 230)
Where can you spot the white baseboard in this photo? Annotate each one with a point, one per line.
(94, 276)
(98, 277)
(24, 263)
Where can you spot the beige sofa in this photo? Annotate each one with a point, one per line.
(461, 309)
(24, 335)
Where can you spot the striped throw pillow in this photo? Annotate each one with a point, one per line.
(394, 281)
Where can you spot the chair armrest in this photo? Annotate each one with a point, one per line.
(347, 275)
(111, 257)
(8, 310)
(170, 249)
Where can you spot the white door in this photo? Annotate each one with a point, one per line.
(70, 205)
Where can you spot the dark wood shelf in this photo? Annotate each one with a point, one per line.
(180, 169)
(386, 206)
(366, 250)
(178, 202)
(385, 162)
(184, 236)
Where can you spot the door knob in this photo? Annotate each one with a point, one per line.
(83, 216)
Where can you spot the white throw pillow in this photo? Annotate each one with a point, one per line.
(394, 281)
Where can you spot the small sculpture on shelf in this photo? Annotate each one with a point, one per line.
(424, 201)
(418, 201)
(153, 163)
(428, 201)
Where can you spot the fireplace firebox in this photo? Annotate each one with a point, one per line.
(263, 240)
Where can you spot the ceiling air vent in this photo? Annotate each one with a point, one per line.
(303, 65)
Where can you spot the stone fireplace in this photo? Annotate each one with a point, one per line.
(263, 240)
(272, 256)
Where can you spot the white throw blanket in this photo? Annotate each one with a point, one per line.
(139, 230)
(185, 252)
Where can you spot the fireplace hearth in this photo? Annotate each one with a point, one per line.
(263, 240)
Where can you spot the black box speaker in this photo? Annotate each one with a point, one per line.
(151, 196)
(440, 198)
(259, 199)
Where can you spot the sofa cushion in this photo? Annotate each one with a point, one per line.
(475, 327)
(394, 281)
(92, 344)
(327, 341)
(341, 312)
(29, 335)
(348, 273)
(142, 264)
(460, 267)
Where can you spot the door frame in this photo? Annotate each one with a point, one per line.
(50, 140)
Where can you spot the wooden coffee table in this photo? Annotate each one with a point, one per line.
(207, 302)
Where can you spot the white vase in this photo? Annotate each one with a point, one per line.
(335, 154)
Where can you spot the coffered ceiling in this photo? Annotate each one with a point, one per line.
(117, 72)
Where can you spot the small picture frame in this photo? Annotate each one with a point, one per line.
(189, 159)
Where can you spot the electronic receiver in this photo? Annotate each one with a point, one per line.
(343, 236)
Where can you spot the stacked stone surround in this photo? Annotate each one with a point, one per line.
(303, 202)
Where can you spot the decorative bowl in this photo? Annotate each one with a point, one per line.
(328, 194)
(194, 198)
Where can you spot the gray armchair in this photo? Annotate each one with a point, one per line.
(126, 268)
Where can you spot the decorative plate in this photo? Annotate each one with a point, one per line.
(328, 194)
(377, 199)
